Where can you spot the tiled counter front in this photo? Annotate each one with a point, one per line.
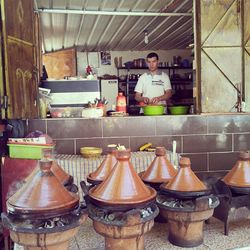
(211, 141)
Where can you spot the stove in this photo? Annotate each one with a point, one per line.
(230, 201)
(123, 229)
(186, 217)
(122, 207)
(43, 214)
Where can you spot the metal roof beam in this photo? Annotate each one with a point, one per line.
(111, 13)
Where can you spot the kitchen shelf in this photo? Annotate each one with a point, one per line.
(170, 67)
(179, 85)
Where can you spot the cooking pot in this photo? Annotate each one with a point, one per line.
(153, 110)
(178, 110)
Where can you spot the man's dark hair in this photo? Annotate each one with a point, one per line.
(151, 55)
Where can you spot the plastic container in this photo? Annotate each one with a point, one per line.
(153, 110)
(121, 103)
(178, 110)
(58, 112)
(27, 151)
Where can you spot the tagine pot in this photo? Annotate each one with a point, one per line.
(123, 187)
(185, 184)
(122, 194)
(41, 199)
(186, 203)
(43, 195)
(238, 178)
(159, 171)
(102, 172)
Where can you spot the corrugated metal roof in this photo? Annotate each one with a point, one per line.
(110, 31)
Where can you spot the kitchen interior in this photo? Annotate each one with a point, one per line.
(60, 118)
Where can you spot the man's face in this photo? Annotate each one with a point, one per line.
(152, 63)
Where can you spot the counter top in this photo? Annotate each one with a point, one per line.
(154, 116)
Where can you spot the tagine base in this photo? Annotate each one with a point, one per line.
(123, 237)
(48, 241)
(186, 228)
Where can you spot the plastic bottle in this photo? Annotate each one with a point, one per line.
(121, 103)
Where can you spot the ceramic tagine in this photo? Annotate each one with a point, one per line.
(159, 171)
(185, 185)
(43, 195)
(123, 187)
(238, 178)
(103, 170)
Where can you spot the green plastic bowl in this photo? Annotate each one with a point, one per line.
(153, 110)
(178, 110)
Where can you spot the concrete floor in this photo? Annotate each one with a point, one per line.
(156, 239)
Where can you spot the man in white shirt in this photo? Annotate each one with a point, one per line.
(153, 87)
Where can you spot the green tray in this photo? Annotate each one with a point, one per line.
(26, 151)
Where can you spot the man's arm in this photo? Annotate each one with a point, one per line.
(167, 94)
(140, 98)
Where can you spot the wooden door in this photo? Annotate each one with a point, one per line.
(2, 92)
(20, 58)
(221, 54)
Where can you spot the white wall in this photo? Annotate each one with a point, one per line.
(93, 58)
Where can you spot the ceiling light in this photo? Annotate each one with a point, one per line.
(145, 36)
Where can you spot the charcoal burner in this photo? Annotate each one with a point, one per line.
(230, 200)
(185, 203)
(122, 206)
(123, 229)
(35, 234)
(186, 217)
(43, 214)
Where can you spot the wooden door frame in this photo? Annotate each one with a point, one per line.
(197, 39)
(197, 49)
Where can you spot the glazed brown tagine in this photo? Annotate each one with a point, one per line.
(103, 170)
(122, 206)
(43, 214)
(159, 171)
(238, 178)
(185, 202)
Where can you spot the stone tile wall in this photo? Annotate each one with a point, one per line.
(211, 141)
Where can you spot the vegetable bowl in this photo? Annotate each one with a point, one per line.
(178, 110)
(153, 110)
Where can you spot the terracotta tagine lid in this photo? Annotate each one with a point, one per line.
(123, 187)
(43, 195)
(160, 170)
(239, 175)
(185, 183)
(103, 170)
(61, 175)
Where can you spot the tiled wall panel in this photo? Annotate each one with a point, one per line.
(211, 141)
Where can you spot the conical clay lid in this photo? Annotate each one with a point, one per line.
(104, 169)
(185, 180)
(62, 176)
(239, 175)
(123, 185)
(42, 195)
(160, 170)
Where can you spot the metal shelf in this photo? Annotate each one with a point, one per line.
(171, 71)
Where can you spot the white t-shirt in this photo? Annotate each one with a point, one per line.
(153, 85)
